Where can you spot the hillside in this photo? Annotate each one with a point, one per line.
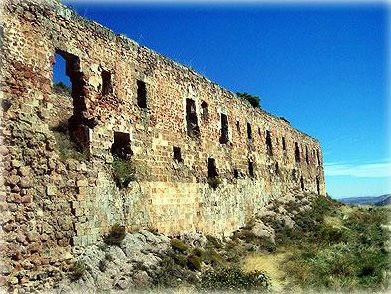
(370, 200)
(300, 244)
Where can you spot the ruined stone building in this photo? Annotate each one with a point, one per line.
(198, 157)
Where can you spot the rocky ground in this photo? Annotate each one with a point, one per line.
(146, 260)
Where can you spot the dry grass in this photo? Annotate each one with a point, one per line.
(270, 264)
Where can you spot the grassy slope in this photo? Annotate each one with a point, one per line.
(331, 247)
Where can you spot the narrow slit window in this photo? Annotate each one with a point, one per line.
(177, 154)
(224, 129)
(307, 160)
(141, 94)
(259, 132)
(249, 132)
(238, 126)
(283, 144)
(107, 87)
(236, 173)
(317, 185)
(191, 118)
(269, 146)
(212, 170)
(251, 168)
(121, 147)
(205, 111)
(302, 183)
(317, 157)
(297, 152)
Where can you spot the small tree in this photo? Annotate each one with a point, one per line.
(253, 100)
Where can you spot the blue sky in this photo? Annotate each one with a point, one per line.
(322, 66)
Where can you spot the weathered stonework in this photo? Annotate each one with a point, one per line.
(50, 203)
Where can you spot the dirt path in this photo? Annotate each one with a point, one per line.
(270, 265)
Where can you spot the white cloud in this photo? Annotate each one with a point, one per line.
(368, 170)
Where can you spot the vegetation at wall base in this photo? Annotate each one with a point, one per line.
(116, 235)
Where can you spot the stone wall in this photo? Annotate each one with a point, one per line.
(53, 199)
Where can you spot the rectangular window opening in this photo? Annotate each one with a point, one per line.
(141, 94)
(107, 87)
(250, 168)
(297, 152)
(121, 147)
(283, 144)
(307, 160)
(177, 154)
(317, 185)
(224, 129)
(249, 132)
(302, 183)
(205, 111)
(238, 126)
(68, 80)
(191, 118)
(318, 157)
(269, 146)
(236, 173)
(212, 170)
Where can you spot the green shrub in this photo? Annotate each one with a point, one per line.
(253, 100)
(123, 171)
(213, 258)
(171, 274)
(116, 235)
(61, 88)
(194, 262)
(67, 149)
(213, 242)
(178, 245)
(214, 182)
(77, 270)
(234, 279)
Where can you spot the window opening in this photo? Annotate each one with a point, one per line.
(205, 111)
(238, 126)
(74, 86)
(191, 118)
(307, 160)
(269, 143)
(236, 173)
(249, 133)
(177, 154)
(212, 171)
(317, 185)
(297, 152)
(224, 129)
(141, 94)
(259, 131)
(283, 143)
(317, 157)
(251, 169)
(302, 183)
(107, 87)
(121, 147)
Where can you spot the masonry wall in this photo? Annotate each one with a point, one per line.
(51, 202)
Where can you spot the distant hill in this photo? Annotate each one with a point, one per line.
(375, 200)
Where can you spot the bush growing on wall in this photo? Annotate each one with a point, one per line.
(253, 100)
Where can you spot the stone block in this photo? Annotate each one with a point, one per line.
(51, 190)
